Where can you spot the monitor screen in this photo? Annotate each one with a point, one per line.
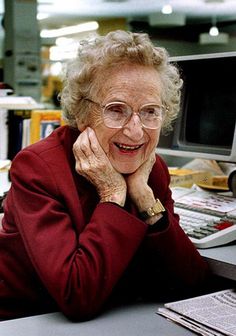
(206, 123)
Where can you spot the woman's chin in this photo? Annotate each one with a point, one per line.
(125, 169)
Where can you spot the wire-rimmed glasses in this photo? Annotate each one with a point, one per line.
(116, 114)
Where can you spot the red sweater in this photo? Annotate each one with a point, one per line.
(60, 249)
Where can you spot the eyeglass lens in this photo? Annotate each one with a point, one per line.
(116, 115)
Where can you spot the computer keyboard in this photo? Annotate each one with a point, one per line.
(206, 230)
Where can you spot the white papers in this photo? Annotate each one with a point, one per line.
(4, 177)
(5, 184)
(178, 192)
(212, 314)
(192, 325)
(204, 201)
(5, 164)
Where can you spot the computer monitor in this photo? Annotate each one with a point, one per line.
(206, 125)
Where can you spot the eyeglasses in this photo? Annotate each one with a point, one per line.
(117, 114)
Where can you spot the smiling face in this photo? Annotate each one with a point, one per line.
(128, 147)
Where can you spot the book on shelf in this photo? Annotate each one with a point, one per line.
(25, 141)
(3, 134)
(4, 91)
(43, 122)
(16, 118)
(211, 314)
(24, 127)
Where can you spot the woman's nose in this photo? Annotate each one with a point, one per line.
(134, 128)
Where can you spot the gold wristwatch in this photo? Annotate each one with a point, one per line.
(152, 211)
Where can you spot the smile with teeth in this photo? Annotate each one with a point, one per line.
(127, 147)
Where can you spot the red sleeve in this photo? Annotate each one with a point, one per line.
(78, 270)
(171, 244)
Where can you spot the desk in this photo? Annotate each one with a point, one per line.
(132, 320)
(222, 260)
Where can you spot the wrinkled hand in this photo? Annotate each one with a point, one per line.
(94, 165)
(137, 184)
(140, 177)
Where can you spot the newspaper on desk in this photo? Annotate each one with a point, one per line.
(208, 315)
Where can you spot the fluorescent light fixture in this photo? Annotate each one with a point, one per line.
(64, 41)
(56, 68)
(171, 20)
(58, 53)
(69, 30)
(221, 38)
(167, 9)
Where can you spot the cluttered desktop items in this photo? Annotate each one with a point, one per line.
(208, 219)
(203, 194)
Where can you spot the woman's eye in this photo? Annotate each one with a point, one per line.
(151, 112)
(116, 110)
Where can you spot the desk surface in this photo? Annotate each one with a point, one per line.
(132, 320)
(222, 260)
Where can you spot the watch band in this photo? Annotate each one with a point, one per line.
(152, 211)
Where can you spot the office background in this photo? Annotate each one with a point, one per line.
(33, 51)
(32, 65)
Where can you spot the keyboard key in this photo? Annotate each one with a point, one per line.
(223, 225)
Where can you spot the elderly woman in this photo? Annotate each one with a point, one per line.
(89, 217)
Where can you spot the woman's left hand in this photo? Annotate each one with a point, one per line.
(137, 184)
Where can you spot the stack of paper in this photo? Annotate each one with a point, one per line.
(208, 315)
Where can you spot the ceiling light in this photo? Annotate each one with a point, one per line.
(167, 9)
(214, 36)
(69, 30)
(214, 31)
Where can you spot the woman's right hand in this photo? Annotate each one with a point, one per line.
(93, 163)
